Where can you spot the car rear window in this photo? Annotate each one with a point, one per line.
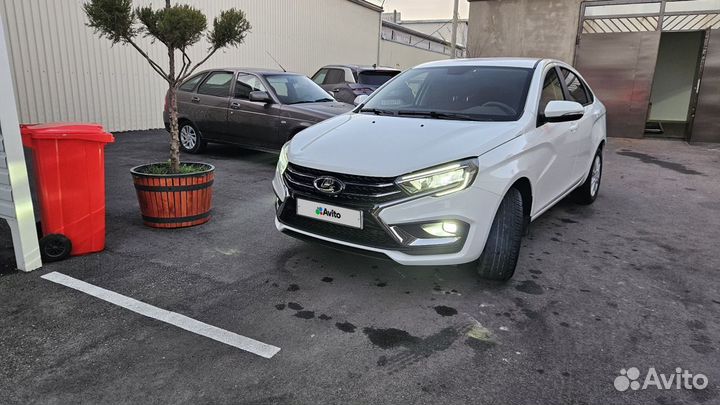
(375, 78)
(217, 84)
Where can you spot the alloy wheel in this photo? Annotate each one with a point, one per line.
(188, 137)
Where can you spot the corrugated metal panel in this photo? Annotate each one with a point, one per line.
(403, 56)
(63, 72)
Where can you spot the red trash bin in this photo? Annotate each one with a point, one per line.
(69, 162)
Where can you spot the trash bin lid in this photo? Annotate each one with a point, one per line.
(69, 131)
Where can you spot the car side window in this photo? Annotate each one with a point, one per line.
(335, 76)
(192, 82)
(320, 76)
(552, 89)
(217, 84)
(576, 89)
(246, 84)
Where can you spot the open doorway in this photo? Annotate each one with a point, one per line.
(673, 96)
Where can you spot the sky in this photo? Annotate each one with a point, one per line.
(424, 9)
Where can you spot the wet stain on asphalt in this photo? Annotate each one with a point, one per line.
(305, 314)
(568, 221)
(346, 327)
(530, 287)
(535, 271)
(415, 348)
(381, 284)
(325, 317)
(390, 337)
(293, 287)
(327, 280)
(443, 310)
(280, 307)
(295, 306)
(530, 313)
(676, 167)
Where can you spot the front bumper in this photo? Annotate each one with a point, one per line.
(473, 207)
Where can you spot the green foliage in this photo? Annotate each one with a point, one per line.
(229, 29)
(112, 19)
(177, 27)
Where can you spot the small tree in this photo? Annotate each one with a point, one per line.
(178, 27)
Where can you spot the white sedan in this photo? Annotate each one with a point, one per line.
(446, 164)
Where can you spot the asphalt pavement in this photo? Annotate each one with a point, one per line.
(631, 281)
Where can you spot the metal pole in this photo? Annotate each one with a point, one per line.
(453, 46)
(377, 63)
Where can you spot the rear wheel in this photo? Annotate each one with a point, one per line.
(588, 192)
(499, 258)
(190, 139)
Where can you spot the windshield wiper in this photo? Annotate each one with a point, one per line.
(439, 115)
(325, 99)
(378, 111)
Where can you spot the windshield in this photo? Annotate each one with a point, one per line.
(296, 89)
(375, 78)
(479, 93)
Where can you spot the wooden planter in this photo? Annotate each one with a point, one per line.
(174, 200)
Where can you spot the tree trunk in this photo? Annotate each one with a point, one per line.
(174, 133)
(174, 130)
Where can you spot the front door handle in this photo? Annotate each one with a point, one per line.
(335, 90)
(235, 106)
(195, 99)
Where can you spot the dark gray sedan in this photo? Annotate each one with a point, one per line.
(259, 109)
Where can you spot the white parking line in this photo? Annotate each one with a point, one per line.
(181, 321)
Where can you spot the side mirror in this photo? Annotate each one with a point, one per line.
(563, 111)
(260, 96)
(360, 99)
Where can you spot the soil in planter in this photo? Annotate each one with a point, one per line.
(164, 168)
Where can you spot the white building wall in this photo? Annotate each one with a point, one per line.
(393, 54)
(63, 72)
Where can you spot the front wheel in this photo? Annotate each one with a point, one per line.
(190, 139)
(588, 191)
(500, 256)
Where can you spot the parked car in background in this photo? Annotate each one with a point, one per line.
(254, 108)
(447, 164)
(346, 82)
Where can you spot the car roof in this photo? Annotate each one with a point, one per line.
(504, 62)
(362, 67)
(259, 71)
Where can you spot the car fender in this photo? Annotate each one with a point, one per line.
(500, 168)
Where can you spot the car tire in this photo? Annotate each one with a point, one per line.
(589, 190)
(499, 258)
(190, 139)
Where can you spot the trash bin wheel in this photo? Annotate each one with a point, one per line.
(55, 247)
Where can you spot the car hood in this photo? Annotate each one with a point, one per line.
(320, 110)
(384, 146)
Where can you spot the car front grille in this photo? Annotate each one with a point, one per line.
(361, 193)
(363, 190)
(373, 233)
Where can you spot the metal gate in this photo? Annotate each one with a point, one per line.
(706, 123)
(616, 50)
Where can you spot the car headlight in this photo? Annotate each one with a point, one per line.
(282, 163)
(441, 180)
